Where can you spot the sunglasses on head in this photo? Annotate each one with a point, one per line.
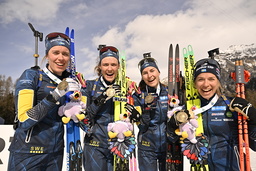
(208, 61)
(106, 48)
(55, 35)
(146, 60)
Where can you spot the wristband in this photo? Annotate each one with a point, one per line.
(50, 98)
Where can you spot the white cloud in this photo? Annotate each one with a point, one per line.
(205, 25)
(137, 28)
(25, 10)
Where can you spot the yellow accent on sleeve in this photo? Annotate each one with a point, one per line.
(84, 99)
(138, 108)
(25, 102)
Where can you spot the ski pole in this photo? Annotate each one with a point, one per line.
(37, 35)
(242, 123)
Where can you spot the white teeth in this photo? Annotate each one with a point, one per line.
(59, 64)
(151, 80)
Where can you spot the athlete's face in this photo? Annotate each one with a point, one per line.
(150, 76)
(58, 59)
(207, 85)
(109, 68)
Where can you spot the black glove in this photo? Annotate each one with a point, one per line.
(145, 117)
(242, 106)
(135, 115)
(107, 94)
(145, 120)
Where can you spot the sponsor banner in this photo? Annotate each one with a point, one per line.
(6, 135)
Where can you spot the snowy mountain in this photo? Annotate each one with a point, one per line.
(247, 53)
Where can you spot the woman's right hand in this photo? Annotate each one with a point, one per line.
(107, 94)
(65, 86)
(134, 114)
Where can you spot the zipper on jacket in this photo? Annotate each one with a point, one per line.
(29, 134)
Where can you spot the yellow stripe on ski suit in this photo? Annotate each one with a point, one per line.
(25, 103)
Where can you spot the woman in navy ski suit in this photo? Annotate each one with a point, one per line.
(152, 128)
(38, 142)
(100, 109)
(220, 123)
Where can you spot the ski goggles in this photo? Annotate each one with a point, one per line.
(146, 62)
(107, 51)
(56, 35)
(106, 48)
(207, 65)
(56, 39)
(207, 61)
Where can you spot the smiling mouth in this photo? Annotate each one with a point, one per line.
(59, 64)
(109, 74)
(206, 91)
(151, 80)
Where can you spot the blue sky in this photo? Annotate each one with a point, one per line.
(135, 26)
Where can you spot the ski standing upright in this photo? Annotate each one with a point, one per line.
(74, 148)
(119, 102)
(174, 161)
(122, 144)
(195, 150)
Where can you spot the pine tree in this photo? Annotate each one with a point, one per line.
(7, 111)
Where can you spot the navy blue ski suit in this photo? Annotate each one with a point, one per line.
(38, 143)
(221, 127)
(152, 135)
(97, 156)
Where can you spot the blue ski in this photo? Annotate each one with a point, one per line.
(73, 143)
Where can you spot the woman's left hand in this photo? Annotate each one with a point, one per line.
(242, 106)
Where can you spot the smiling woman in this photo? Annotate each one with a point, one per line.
(37, 110)
(152, 128)
(57, 52)
(109, 68)
(207, 78)
(218, 119)
(58, 59)
(100, 109)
